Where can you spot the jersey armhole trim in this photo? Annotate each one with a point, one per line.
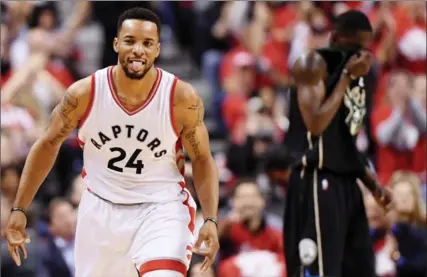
(171, 108)
(90, 103)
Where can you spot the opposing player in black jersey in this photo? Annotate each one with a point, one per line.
(326, 230)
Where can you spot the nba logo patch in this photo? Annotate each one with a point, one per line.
(325, 184)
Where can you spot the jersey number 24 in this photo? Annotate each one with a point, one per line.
(133, 162)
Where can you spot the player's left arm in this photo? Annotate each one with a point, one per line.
(369, 179)
(189, 111)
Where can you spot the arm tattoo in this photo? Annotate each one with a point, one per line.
(191, 136)
(68, 104)
(200, 111)
(195, 144)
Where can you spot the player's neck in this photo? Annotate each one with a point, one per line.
(128, 86)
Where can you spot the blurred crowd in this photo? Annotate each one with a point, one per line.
(243, 52)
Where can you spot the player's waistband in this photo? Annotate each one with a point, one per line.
(106, 200)
(181, 184)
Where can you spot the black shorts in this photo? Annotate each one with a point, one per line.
(339, 220)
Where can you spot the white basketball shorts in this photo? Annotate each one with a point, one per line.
(129, 241)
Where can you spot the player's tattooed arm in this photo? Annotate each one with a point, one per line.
(62, 116)
(43, 153)
(189, 111)
(66, 115)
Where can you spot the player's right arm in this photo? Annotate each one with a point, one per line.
(310, 73)
(41, 158)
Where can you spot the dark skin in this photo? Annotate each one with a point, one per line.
(137, 40)
(310, 73)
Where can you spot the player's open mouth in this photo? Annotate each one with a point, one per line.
(136, 65)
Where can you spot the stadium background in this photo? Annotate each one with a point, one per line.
(237, 56)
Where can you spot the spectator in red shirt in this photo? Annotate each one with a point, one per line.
(247, 227)
(411, 36)
(399, 127)
(253, 264)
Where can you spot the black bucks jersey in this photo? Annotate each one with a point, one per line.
(336, 149)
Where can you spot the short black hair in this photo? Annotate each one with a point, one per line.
(351, 22)
(140, 14)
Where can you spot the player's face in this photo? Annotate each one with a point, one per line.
(137, 46)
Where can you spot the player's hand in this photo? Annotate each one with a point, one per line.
(16, 236)
(360, 63)
(384, 198)
(209, 235)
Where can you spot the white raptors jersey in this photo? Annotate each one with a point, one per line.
(131, 156)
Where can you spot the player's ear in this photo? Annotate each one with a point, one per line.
(158, 50)
(116, 45)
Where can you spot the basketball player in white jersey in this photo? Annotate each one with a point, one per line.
(136, 217)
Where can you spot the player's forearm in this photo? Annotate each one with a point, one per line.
(323, 116)
(371, 182)
(205, 175)
(39, 162)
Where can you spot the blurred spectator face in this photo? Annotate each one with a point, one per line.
(419, 91)
(375, 214)
(408, 199)
(248, 201)
(196, 272)
(9, 181)
(404, 198)
(318, 22)
(137, 43)
(62, 219)
(47, 20)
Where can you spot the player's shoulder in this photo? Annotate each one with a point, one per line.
(185, 94)
(312, 59)
(309, 68)
(79, 94)
(81, 88)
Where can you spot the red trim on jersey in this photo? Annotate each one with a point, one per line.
(84, 173)
(81, 143)
(172, 97)
(163, 264)
(182, 184)
(144, 104)
(90, 103)
(191, 210)
(179, 156)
